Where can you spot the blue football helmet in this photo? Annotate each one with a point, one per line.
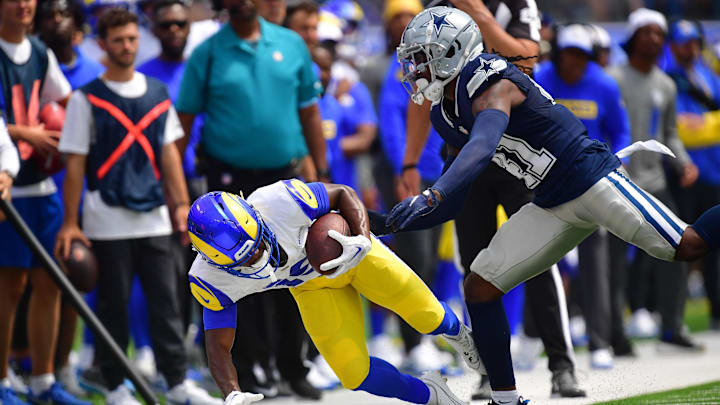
(226, 230)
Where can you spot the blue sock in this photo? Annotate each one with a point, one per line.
(386, 381)
(491, 334)
(450, 324)
(377, 320)
(708, 227)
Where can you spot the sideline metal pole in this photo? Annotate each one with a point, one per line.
(67, 288)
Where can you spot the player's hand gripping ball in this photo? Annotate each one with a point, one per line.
(81, 266)
(330, 249)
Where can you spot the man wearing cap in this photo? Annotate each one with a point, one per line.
(698, 107)
(594, 97)
(649, 96)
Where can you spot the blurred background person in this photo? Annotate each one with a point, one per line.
(243, 78)
(698, 108)
(9, 167)
(31, 78)
(582, 86)
(129, 225)
(60, 25)
(649, 96)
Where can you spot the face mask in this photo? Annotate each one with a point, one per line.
(430, 91)
(263, 263)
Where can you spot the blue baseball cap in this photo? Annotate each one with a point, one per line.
(683, 31)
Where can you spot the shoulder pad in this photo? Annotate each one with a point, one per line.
(481, 72)
(303, 196)
(207, 295)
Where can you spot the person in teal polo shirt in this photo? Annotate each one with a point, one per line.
(255, 85)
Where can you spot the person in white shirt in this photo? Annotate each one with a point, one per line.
(30, 78)
(119, 136)
(9, 164)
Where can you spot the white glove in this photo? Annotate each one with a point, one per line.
(242, 398)
(354, 250)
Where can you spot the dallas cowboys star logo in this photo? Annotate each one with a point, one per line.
(439, 22)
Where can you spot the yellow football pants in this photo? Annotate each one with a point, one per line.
(333, 316)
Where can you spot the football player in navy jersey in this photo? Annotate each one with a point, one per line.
(487, 110)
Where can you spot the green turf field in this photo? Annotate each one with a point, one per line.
(699, 394)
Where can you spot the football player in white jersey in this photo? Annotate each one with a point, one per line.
(253, 245)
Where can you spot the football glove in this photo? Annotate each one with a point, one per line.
(242, 398)
(354, 250)
(412, 208)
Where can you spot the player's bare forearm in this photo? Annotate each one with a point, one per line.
(312, 131)
(186, 121)
(418, 131)
(360, 142)
(218, 343)
(72, 187)
(174, 176)
(345, 200)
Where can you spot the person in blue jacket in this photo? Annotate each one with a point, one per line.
(581, 85)
(698, 97)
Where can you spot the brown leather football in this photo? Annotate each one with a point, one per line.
(320, 247)
(82, 267)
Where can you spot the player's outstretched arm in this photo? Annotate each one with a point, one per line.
(492, 109)
(218, 343)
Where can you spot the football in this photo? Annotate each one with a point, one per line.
(320, 247)
(81, 267)
(53, 116)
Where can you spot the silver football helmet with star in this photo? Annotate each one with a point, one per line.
(439, 40)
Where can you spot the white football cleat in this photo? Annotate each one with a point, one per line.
(121, 396)
(464, 344)
(188, 393)
(440, 393)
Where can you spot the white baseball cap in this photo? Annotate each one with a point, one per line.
(643, 17)
(575, 36)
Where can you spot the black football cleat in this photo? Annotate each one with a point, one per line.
(303, 389)
(565, 385)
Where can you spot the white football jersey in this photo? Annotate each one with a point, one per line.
(288, 208)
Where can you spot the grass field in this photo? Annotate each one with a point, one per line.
(699, 394)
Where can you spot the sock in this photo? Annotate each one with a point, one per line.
(386, 381)
(41, 383)
(493, 343)
(4, 382)
(505, 397)
(708, 227)
(377, 320)
(450, 324)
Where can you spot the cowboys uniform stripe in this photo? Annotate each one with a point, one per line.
(648, 210)
(668, 215)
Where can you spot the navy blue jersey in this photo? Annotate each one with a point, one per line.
(544, 144)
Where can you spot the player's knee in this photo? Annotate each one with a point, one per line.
(43, 283)
(13, 286)
(691, 246)
(477, 289)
